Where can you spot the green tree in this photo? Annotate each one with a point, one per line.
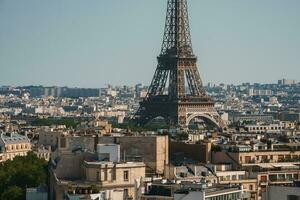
(18, 174)
(135, 128)
(13, 193)
(68, 122)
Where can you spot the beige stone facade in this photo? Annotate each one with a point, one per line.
(265, 167)
(107, 175)
(49, 137)
(152, 150)
(275, 178)
(79, 174)
(244, 158)
(13, 145)
(14, 150)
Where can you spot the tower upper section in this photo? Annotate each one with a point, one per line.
(177, 36)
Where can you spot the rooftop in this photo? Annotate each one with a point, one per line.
(288, 165)
(218, 190)
(13, 138)
(120, 164)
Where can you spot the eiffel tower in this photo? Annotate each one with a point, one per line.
(176, 92)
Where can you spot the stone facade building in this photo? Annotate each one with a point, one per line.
(12, 145)
(86, 176)
(153, 150)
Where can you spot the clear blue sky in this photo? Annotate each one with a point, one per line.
(89, 43)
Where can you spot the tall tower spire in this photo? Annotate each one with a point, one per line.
(176, 86)
(177, 32)
(177, 62)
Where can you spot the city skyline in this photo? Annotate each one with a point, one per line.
(90, 45)
(149, 100)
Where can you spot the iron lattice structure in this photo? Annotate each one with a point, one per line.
(176, 92)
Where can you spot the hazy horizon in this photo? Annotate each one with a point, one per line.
(121, 85)
(93, 43)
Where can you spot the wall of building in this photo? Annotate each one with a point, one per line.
(13, 150)
(239, 158)
(36, 195)
(69, 166)
(108, 152)
(199, 195)
(281, 193)
(49, 138)
(231, 175)
(153, 150)
(198, 152)
(70, 143)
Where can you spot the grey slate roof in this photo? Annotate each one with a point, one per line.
(13, 138)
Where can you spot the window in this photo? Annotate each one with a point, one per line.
(257, 158)
(105, 175)
(280, 158)
(126, 175)
(296, 176)
(273, 177)
(264, 158)
(289, 177)
(295, 157)
(247, 159)
(251, 187)
(281, 177)
(63, 142)
(98, 176)
(293, 197)
(125, 193)
(263, 178)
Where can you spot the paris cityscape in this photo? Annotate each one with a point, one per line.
(179, 136)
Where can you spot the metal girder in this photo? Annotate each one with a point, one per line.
(177, 66)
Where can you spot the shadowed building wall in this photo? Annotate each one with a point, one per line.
(197, 152)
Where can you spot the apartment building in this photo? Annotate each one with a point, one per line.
(264, 168)
(190, 190)
(239, 159)
(153, 150)
(12, 145)
(265, 128)
(273, 174)
(226, 175)
(282, 192)
(88, 177)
